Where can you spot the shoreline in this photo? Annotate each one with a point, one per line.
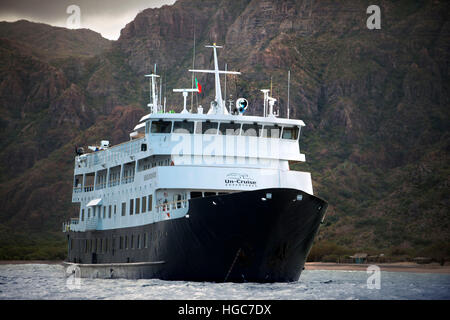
(390, 267)
(2, 262)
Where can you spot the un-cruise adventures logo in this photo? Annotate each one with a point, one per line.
(239, 180)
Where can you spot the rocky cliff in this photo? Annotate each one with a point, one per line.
(375, 103)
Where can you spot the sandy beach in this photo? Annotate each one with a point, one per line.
(391, 267)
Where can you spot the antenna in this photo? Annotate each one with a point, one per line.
(266, 98)
(153, 96)
(271, 85)
(225, 93)
(193, 66)
(289, 82)
(160, 91)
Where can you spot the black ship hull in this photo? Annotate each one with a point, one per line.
(256, 236)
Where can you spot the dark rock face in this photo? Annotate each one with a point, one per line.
(375, 102)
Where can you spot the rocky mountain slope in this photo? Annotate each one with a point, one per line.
(375, 103)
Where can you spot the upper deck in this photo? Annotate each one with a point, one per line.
(218, 139)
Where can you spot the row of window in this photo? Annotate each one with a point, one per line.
(137, 205)
(114, 177)
(228, 128)
(105, 245)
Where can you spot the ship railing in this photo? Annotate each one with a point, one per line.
(100, 186)
(116, 153)
(113, 183)
(88, 188)
(128, 179)
(69, 225)
(77, 189)
(173, 205)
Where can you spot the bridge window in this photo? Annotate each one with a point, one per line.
(251, 130)
(231, 129)
(271, 132)
(207, 127)
(183, 127)
(290, 133)
(161, 126)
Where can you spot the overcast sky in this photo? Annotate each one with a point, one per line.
(107, 17)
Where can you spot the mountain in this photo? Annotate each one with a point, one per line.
(375, 104)
(54, 42)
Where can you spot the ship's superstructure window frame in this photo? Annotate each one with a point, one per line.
(251, 129)
(124, 208)
(207, 127)
(131, 207)
(137, 203)
(230, 128)
(183, 127)
(161, 127)
(114, 176)
(89, 181)
(143, 204)
(129, 171)
(271, 131)
(150, 203)
(290, 133)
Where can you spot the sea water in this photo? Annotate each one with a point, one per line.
(49, 281)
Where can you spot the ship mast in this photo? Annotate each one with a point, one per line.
(218, 99)
(154, 98)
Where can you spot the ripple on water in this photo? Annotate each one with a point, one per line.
(43, 281)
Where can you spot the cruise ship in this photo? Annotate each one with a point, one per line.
(200, 195)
